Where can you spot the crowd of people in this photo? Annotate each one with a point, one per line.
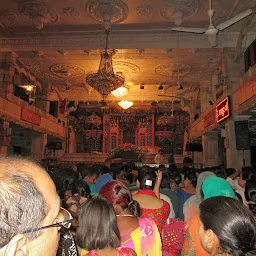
(124, 210)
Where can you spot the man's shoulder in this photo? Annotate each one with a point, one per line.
(168, 192)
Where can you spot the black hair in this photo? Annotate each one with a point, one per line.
(88, 172)
(230, 171)
(144, 177)
(104, 170)
(187, 160)
(250, 194)
(97, 225)
(172, 167)
(219, 171)
(232, 223)
(80, 166)
(116, 168)
(128, 173)
(97, 169)
(191, 176)
(165, 182)
(82, 188)
(248, 173)
(199, 171)
(250, 191)
(56, 175)
(132, 165)
(161, 166)
(176, 177)
(238, 196)
(68, 178)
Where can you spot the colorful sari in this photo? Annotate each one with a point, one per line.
(145, 240)
(192, 245)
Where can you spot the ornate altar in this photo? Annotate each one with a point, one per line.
(105, 130)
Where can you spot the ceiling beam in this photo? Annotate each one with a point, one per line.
(118, 40)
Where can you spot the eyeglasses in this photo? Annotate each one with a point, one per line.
(64, 215)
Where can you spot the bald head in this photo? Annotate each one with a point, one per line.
(23, 205)
(18, 164)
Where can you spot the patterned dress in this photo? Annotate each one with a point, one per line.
(192, 245)
(160, 215)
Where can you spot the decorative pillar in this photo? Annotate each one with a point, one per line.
(5, 137)
(234, 157)
(39, 141)
(72, 147)
(211, 149)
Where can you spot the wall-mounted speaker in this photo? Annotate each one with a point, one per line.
(242, 135)
(53, 145)
(194, 147)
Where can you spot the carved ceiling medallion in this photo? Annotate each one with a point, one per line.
(38, 13)
(117, 10)
(144, 10)
(67, 71)
(173, 69)
(126, 68)
(7, 18)
(187, 7)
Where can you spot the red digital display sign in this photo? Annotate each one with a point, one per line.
(223, 110)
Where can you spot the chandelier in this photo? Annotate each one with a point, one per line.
(105, 80)
(125, 104)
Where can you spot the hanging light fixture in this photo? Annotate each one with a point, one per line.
(105, 80)
(28, 87)
(120, 92)
(125, 104)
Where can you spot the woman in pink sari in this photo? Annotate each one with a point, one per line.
(139, 234)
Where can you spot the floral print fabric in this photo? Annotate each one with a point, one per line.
(159, 216)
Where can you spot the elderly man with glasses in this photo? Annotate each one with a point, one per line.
(30, 213)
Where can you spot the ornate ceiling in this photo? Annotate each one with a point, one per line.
(60, 42)
(87, 14)
(150, 68)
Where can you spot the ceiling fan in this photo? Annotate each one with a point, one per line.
(212, 31)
